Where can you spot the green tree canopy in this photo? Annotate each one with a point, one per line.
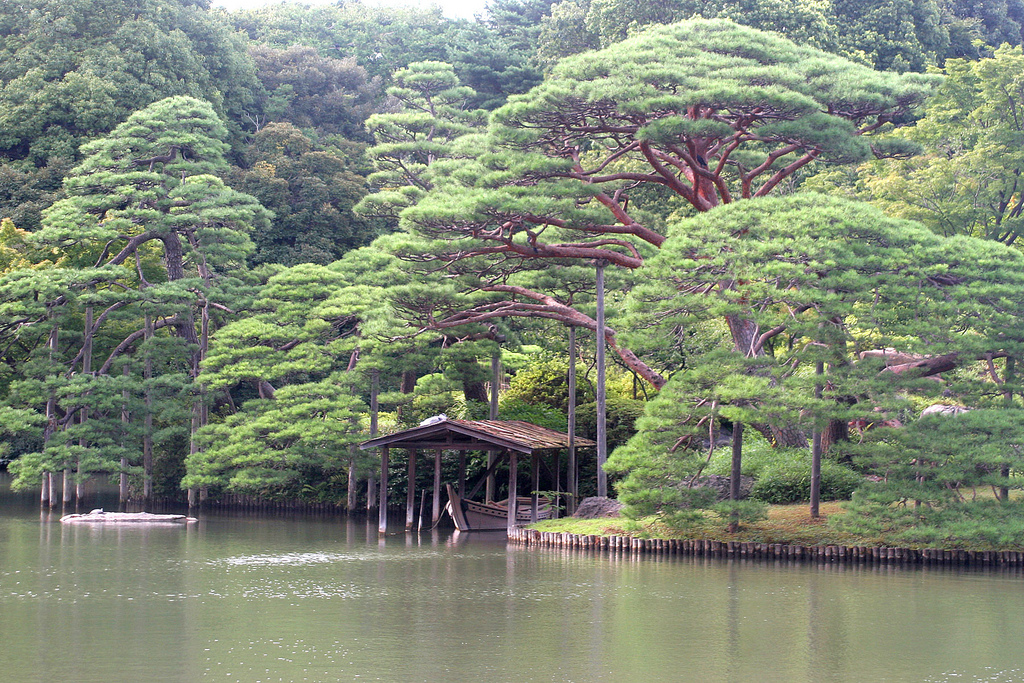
(684, 117)
(73, 70)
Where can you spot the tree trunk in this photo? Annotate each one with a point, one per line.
(836, 431)
(745, 334)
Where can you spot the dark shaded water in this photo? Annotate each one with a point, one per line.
(316, 599)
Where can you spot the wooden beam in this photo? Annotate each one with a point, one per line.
(382, 498)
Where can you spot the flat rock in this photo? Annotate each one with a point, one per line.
(101, 517)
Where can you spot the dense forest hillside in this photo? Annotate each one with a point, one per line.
(222, 230)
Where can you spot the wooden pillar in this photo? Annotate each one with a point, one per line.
(572, 480)
(602, 439)
(512, 490)
(410, 493)
(382, 508)
(435, 508)
(534, 485)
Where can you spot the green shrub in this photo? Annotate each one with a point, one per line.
(789, 481)
(758, 454)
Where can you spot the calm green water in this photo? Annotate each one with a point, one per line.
(286, 599)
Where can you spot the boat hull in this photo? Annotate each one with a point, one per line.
(471, 515)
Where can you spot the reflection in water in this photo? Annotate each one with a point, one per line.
(323, 599)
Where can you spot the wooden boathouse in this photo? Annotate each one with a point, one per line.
(507, 440)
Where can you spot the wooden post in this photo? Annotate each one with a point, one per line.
(495, 385)
(534, 485)
(382, 509)
(84, 416)
(410, 493)
(734, 481)
(492, 415)
(512, 490)
(147, 437)
(602, 438)
(572, 480)
(558, 485)
(122, 479)
(1009, 378)
(371, 490)
(50, 478)
(435, 509)
(350, 490)
(819, 369)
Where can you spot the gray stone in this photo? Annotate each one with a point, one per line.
(593, 508)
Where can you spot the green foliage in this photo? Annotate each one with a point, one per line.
(966, 182)
(311, 189)
(271, 445)
(888, 34)
(431, 114)
(930, 479)
(546, 382)
(73, 70)
(748, 511)
(621, 415)
(790, 481)
(303, 88)
(493, 61)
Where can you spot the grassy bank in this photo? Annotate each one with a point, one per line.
(789, 524)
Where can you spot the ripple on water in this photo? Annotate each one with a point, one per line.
(991, 675)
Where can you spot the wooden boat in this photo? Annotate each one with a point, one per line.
(100, 517)
(470, 515)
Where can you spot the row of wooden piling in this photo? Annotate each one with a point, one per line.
(769, 551)
(257, 504)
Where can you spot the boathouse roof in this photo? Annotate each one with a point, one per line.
(477, 435)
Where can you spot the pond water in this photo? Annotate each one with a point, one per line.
(249, 599)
